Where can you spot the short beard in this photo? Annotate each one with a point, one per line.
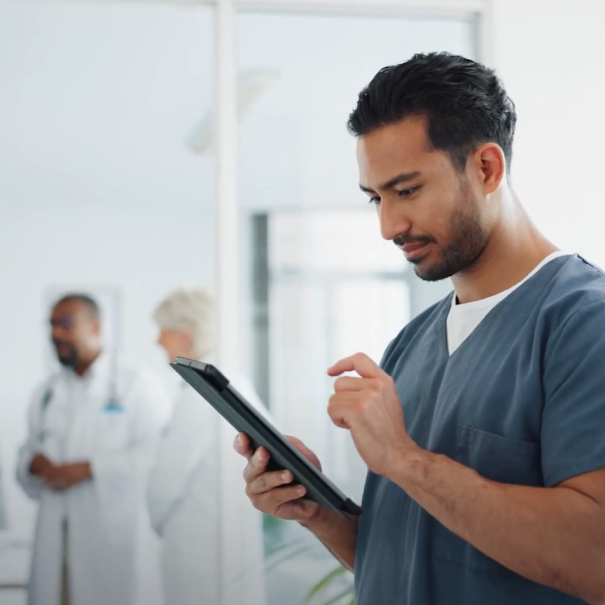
(468, 244)
(71, 360)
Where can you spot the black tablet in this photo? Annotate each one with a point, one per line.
(220, 394)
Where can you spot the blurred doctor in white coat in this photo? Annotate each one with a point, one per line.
(93, 431)
(184, 486)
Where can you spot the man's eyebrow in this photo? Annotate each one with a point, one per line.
(404, 177)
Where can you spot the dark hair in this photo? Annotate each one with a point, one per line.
(464, 102)
(89, 302)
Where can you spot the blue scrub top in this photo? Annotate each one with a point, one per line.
(521, 401)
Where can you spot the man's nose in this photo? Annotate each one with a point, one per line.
(393, 220)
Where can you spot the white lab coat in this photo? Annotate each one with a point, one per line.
(184, 501)
(113, 556)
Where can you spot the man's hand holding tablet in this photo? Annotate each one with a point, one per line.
(270, 492)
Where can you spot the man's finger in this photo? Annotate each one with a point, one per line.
(304, 450)
(242, 446)
(338, 410)
(295, 441)
(353, 383)
(359, 363)
(269, 502)
(257, 464)
(268, 481)
(52, 474)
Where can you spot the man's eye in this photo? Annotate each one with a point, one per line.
(407, 192)
(375, 200)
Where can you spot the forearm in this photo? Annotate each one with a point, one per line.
(553, 536)
(339, 534)
(39, 465)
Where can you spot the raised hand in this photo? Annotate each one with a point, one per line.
(368, 406)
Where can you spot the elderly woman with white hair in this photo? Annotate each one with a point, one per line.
(183, 491)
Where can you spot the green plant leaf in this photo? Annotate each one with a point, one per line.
(288, 557)
(324, 583)
(265, 566)
(340, 596)
(283, 546)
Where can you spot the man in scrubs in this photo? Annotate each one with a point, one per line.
(482, 428)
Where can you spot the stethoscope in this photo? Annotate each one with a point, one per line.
(111, 406)
(44, 403)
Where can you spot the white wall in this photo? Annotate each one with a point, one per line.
(551, 55)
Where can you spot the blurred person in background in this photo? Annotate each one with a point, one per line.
(184, 490)
(93, 430)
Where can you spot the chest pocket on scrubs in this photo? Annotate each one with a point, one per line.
(497, 458)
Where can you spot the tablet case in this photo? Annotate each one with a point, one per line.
(215, 388)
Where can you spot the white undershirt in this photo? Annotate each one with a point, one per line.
(463, 319)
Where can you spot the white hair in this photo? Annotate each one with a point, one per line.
(190, 310)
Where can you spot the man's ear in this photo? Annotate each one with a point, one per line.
(489, 163)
